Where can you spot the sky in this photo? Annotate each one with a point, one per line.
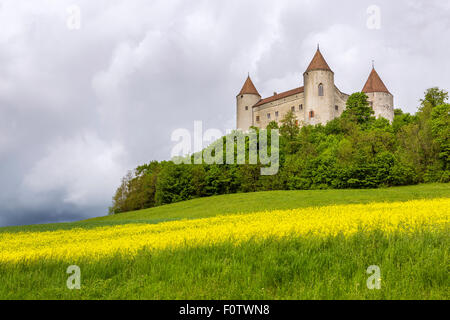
(90, 89)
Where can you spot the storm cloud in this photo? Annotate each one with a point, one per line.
(82, 104)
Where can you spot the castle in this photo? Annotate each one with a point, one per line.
(318, 101)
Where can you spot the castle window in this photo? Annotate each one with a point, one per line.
(268, 116)
(276, 114)
(336, 108)
(311, 114)
(300, 107)
(246, 108)
(293, 109)
(257, 118)
(320, 90)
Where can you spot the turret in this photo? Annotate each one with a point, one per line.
(245, 101)
(319, 85)
(380, 99)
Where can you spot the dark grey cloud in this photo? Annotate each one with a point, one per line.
(78, 108)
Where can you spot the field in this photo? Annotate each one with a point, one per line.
(272, 245)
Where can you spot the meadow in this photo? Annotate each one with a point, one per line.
(251, 202)
(270, 245)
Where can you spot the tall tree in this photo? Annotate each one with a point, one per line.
(358, 108)
(272, 125)
(434, 97)
(440, 128)
(289, 128)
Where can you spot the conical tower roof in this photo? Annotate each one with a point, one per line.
(318, 63)
(249, 88)
(374, 83)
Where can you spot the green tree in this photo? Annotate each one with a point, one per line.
(358, 108)
(289, 128)
(440, 128)
(272, 125)
(434, 97)
(121, 196)
(402, 119)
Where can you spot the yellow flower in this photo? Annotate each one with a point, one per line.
(347, 220)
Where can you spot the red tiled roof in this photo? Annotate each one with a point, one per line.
(374, 84)
(280, 96)
(318, 63)
(249, 88)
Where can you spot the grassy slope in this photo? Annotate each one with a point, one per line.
(412, 266)
(251, 202)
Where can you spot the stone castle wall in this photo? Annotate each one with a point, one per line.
(244, 110)
(319, 109)
(276, 110)
(383, 104)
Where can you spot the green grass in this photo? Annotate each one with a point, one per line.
(412, 267)
(252, 202)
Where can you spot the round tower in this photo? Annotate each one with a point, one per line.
(245, 101)
(320, 90)
(380, 99)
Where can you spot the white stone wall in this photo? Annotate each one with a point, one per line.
(382, 104)
(244, 112)
(282, 106)
(340, 101)
(285, 105)
(327, 107)
(323, 106)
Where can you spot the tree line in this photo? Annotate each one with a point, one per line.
(352, 151)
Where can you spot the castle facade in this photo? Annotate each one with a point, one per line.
(316, 102)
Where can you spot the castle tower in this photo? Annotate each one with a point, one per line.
(380, 99)
(318, 80)
(245, 100)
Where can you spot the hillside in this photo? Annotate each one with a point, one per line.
(251, 202)
(353, 151)
(268, 245)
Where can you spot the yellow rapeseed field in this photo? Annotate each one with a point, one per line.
(97, 243)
